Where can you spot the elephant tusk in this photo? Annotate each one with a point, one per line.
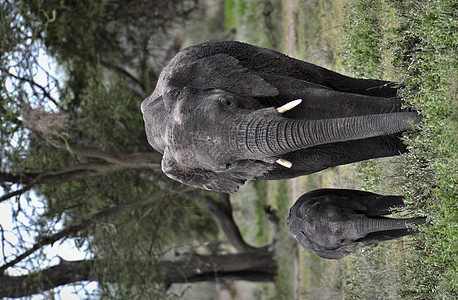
(289, 105)
(284, 163)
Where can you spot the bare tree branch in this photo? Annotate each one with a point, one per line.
(116, 158)
(16, 193)
(33, 84)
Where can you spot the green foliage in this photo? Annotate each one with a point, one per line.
(230, 20)
(261, 219)
(363, 38)
(423, 40)
(123, 36)
(252, 16)
(86, 29)
(108, 116)
(431, 85)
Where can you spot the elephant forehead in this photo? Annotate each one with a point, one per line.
(156, 122)
(327, 211)
(177, 140)
(194, 135)
(329, 235)
(306, 207)
(145, 104)
(317, 223)
(195, 149)
(195, 112)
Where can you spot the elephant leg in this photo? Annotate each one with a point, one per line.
(343, 83)
(379, 205)
(314, 159)
(381, 236)
(328, 104)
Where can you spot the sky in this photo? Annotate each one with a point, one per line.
(33, 206)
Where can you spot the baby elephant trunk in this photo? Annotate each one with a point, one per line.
(367, 225)
(276, 136)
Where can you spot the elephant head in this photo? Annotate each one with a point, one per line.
(213, 117)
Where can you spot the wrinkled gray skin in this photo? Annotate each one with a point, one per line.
(212, 117)
(333, 222)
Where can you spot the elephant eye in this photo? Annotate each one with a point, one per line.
(225, 167)
(228, 102)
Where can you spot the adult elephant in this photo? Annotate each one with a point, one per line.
(213, 117)
(334, 222)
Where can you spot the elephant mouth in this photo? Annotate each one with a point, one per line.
(282, 109)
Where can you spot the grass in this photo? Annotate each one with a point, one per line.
(419, 40)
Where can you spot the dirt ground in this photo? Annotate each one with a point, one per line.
(294, 184)
(298, 186)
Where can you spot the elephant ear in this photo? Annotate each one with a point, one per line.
(347, 249)
(331, 254)
(227, 181)
(220, 71)
(337, 253)
(200, 178)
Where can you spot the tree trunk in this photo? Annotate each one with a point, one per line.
(64, 273)
(257, 266)
(112, 162)
(222, 211)
(254, 266)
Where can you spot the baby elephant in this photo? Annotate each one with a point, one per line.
(335, 222)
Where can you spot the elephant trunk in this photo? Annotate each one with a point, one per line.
(368, 225)
(276, 136)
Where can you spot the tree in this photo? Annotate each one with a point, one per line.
(250, 263)
(192, 268)
(73, 142)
